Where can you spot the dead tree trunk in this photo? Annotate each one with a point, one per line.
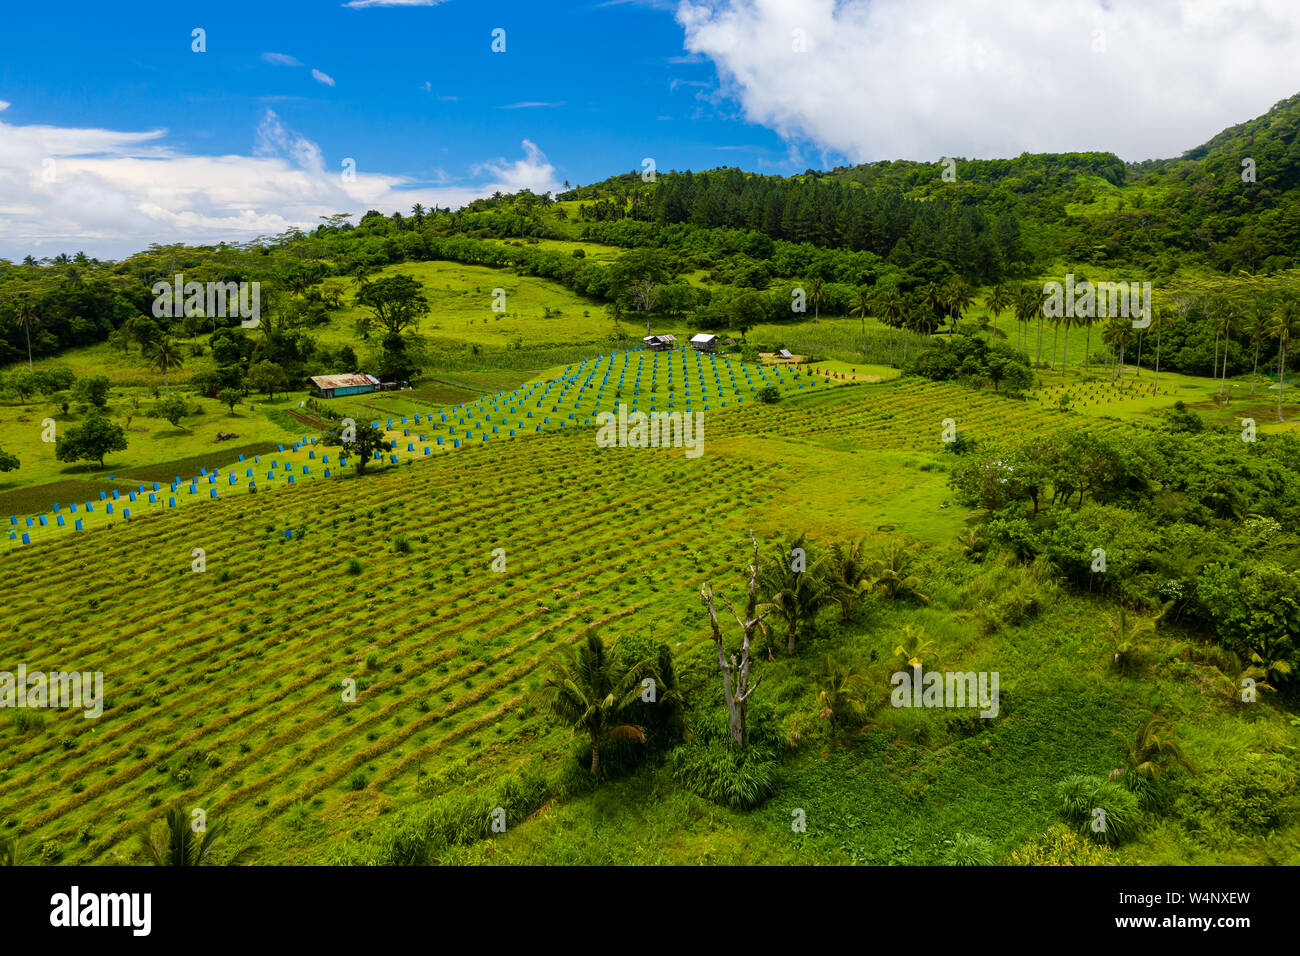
(736, 686)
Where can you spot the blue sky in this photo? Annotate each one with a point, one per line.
(597, 87)
(114, 133)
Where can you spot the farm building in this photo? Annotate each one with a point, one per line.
(351, 383)
(704, 342)
(660, 343)
(784, 353)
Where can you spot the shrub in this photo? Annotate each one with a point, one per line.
(1252, 792)
(401, 544)
(718, 771)
(1059, 845)
(1100, 809)
(357, 781)
(354, 566)
(25, 720)
(769, 395)
(968, 849)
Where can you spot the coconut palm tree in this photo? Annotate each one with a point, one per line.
(179, 845)
(1086, 322)
(1027, 303)
(1161, 319)
(891, 308)
(891, 574)
(1127, 640)
(817, 296)
(1116, 332)
(795, 595)
(843, 690)
(913, 647)
(1151, 751)
(932, 301)
(1283, 325)
(588, 690)
(1256, 327)
(956, 299)
(848, 574)
(26, 316)
(862, 308)
(164, 355)
(1067, 322)
(997, 301)
(1228, 320)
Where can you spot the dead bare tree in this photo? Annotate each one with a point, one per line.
(736, 686)
(645, 293)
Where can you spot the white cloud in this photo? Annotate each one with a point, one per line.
(363, 4)
(533, 172)
(4, 105)
(529, 105)
(320, 77)
(112, 193)
(281, 59)
(920, 79)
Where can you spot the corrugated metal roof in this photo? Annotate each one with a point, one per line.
(346, 380)
(703, 337)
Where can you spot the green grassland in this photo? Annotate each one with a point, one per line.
(224, 692)
(569, 396)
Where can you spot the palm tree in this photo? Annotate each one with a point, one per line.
(1086, 321)
(997, 301)
(1256, 327)
(817, 296)
(1153, 748)
(1228, 322)
(1273, 658)
(1117, 332)
(586, 691)
(932, 301)
(1067, 322)
(165, 355)
(1283, 325)
(179, 844)
(25, 316)
(1160, 320)
(1056, 332)
(862, 308)
(361, 271)
(1027, 302)
(914, 646)
(795, 595)
(1126, 641)
(891, 575)
(843, 691)
(891, 308)
(848, 574)
(956, 299)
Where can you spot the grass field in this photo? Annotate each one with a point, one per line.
(417, 421)
(224, 688)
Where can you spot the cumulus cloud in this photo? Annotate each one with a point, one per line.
(320, 77)
(920, 79)
(111, 192)
(532, 172)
